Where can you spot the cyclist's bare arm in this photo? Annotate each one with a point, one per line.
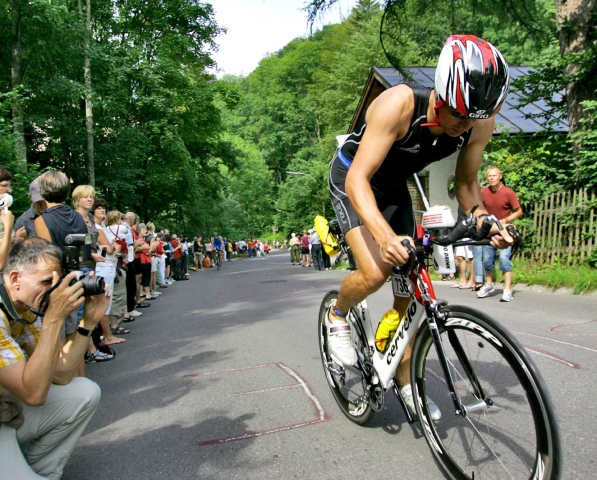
(466, 182)
(388, 119)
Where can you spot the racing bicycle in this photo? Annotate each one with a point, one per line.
(498, 420)
(218, 258)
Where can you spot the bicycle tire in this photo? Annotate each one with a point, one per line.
(349, 390)
(518, 436)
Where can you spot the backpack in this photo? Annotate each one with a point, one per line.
(328, 240)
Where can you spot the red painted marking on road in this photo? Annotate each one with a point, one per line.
(553, 356)
(300, 382)
(557, 341)
(265, 390)
(260, 434)
(220, 295)
(228, 371)
(553, 329)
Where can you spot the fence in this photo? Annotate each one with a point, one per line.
(563, 226)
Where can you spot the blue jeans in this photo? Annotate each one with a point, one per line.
(489, 258)
(478, 262)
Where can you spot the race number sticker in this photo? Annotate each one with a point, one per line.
(401, 284)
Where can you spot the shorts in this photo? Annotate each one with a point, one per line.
(154, 264)
(198, 257)
(119, 295)
(465, 251)
(145, 274)
(393, 201)
(304, 250)
(138, 264)
(489, 258)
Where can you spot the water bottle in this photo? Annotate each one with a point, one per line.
(386, 330)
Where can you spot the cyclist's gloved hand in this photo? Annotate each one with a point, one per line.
(491, 227)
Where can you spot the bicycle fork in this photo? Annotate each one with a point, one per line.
(433, 315)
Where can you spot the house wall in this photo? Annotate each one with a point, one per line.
(439, 175)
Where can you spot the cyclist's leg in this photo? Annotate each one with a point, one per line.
(370, 276)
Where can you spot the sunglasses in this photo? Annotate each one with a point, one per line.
(458, 115)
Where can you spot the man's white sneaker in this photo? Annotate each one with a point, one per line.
(485, 290)
(507, 296)
(339, 341)
(156, 293)
(407, 395)
(135, 313)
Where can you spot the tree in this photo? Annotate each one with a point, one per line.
(576, 33)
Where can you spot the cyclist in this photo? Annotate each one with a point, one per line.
(219, 247)
(405, 129)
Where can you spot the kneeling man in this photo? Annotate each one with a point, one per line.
(36, 373)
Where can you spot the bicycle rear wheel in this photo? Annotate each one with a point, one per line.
(517, 437)
(348, 385)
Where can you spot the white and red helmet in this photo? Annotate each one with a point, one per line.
(472, 77)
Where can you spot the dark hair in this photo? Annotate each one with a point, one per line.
(25, 255)
(5, 175)
(99, 203)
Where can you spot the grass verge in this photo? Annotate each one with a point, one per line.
(581, 278)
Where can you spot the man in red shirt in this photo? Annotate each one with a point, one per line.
(502, 202)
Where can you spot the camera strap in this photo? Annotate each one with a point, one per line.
(8, 307)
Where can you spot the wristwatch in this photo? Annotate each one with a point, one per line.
(84, 331)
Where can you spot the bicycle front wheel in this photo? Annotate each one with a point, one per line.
(510, 429)
(348, 385)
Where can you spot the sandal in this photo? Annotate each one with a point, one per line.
(466, 287)
(119, 331)
(98, 357)
(128, 319)
(458, 285)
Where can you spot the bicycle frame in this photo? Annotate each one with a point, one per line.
(423, 306)
(385, 364)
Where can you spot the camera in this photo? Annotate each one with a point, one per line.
(77, 250)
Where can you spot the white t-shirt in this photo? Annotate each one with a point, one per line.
(208, 247)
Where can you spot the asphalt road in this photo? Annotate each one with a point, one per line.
(221, 378)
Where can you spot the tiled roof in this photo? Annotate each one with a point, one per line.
(511, 117)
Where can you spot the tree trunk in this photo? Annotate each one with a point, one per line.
(17, 105)
(88, 94)
(576, 34)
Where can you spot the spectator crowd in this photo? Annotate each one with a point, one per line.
(73, 281)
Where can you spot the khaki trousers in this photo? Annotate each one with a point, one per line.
(50, 432)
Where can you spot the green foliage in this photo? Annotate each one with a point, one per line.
(7, 146)
(584, 147)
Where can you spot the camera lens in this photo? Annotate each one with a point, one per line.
(92, 285)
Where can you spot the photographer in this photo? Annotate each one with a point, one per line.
(36, 371)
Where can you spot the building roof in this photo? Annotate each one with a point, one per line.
(511, 117)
